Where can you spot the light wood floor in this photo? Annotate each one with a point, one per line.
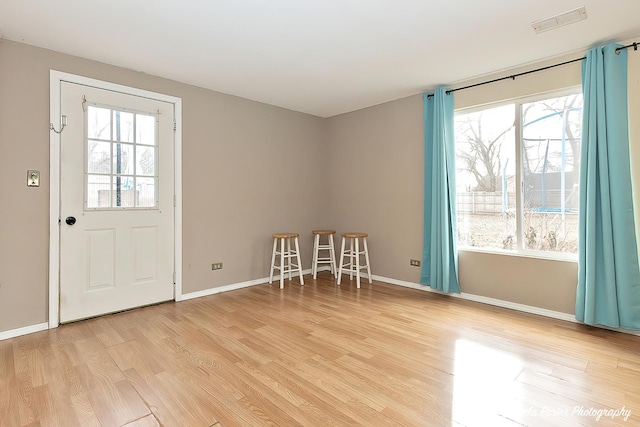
(320, 355)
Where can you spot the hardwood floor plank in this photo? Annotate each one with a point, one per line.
(21, 350)
(84, 411)
(223, 397)
(156, 355)
(186, 400)
(261, 406)
(53, 410)
(9, 408)
(27, 410)
(239, 349)
(338, 386)
(284, 398)
(161, 411)
(321, 403)
(130, 355)
(55, 395)
(429, 400)
(148, 421)
(624, 364)
(105, 332)
(356, 400)
(97, 360)
(114, 402)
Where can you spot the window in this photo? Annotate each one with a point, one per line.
(121, 158)
(517, 179)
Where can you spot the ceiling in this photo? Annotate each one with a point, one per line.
(321, 57)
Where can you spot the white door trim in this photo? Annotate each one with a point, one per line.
(56, 78)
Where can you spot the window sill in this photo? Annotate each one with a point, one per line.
(563, 257)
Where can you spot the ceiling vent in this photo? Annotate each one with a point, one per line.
(559, 20)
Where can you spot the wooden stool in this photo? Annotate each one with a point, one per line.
(286, 265)
(330, 259)
(353, 254)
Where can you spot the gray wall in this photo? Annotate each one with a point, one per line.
(377, 187)
(251, 169)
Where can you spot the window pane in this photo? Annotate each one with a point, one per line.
(551, 131)
(123, 191)
(146, 192)
(122, 126)
(145, 129)
(123, 159)
(98, 123)
(485, 179)
(146, 160)
(98, 191)
(99, 157)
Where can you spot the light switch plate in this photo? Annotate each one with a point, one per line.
(33, 178)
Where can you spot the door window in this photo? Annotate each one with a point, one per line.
(121, 154)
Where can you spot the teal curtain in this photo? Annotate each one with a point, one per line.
(608, 274)
(439, 255)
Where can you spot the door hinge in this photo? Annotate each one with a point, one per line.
(174, 277)
(175, 201)
(175, 126)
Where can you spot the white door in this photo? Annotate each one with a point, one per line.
(116, 202)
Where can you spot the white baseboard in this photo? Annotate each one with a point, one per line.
(23, 331)
(226, 288)
(500, 303)
(234, 286)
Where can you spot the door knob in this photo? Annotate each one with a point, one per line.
(70, 220)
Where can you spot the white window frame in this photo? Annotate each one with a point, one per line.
(520, 250)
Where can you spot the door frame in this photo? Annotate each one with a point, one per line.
(56, 78)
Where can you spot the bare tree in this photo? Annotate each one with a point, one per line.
(479, 153)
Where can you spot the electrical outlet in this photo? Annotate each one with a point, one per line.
(414, 262)
(216, 266)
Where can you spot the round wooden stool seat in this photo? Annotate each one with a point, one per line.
(355, 235)
(323, 232)
(285, 235)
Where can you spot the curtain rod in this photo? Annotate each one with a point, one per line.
(513, 77)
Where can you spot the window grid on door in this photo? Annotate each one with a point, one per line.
(121, 159)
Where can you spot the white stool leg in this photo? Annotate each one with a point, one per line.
(273, 259)
(357, 263)
(282, 256)
(289, 257)
(351, 259)
(314, 263)
(366, 256)
(340, 265)
(299, 262)
(332, 255)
